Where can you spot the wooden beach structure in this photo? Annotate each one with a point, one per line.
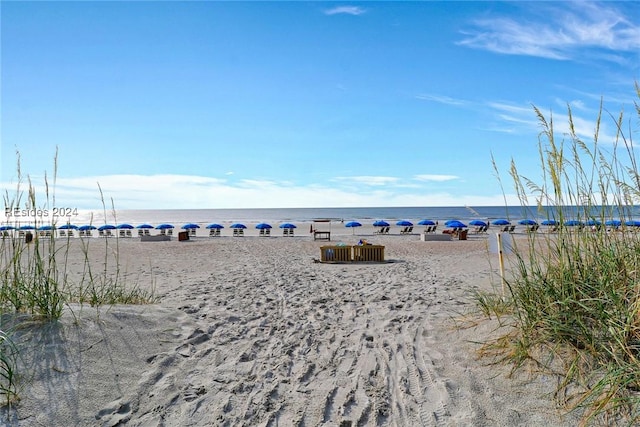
(357, 253)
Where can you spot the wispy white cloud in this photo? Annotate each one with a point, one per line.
(436, 178)
(561, 33)
(441, 99)
(198, 192)
(345, 10)
(369, 180)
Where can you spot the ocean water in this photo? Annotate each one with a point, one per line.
(304, 215)
(365, 215)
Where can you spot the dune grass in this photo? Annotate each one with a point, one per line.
(34, 276)
(573, 296)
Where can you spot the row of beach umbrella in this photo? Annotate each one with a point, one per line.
(165, 226)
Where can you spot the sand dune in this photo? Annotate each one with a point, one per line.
(252, 332)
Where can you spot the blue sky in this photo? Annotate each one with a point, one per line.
(301, 104)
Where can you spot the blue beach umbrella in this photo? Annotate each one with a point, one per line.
(164, 227)
(426, 222)
(500, 222)
(106, 227)
(404, 223)
(454, 223)
(263, 226)
(215, 226)
(7, 227)
(68, 227)
(548, 222)
(632, 223)
(238, 225)
(613, 223)
(144, 226)
(527, 222)
(593, 223)
(45, 228)
(477, 223)
(287, 225)
(353, 225)
(87, 227)
(27, 227)
(573, 223)
(124, 226)
(381, 223)
(190, 226)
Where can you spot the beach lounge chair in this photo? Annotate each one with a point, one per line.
(62, 233)
(212, 232)
(101, 233)
(532, 228)
(192, 232)
(109, 233)
(128, 233)
(170, 232)
(121, 233)
(82, 233)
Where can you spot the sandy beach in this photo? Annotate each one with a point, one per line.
(254, 331)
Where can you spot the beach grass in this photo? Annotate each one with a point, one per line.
(34, 277)
(573, 296)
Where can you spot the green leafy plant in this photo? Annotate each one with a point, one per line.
(575, 293)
